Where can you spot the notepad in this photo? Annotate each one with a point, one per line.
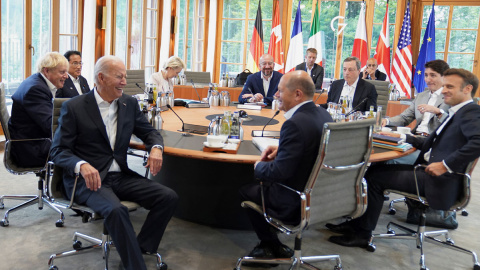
(262, 142)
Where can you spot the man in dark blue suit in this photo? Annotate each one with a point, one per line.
(454, 144)
(289, 164)
(32, 110)
(262, 85)
(363, 93)
(315, 71)
(92, 139)
(75, 84)
(372, 72)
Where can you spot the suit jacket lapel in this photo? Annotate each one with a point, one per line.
(94, 113)
(358, 92)
(121, 111)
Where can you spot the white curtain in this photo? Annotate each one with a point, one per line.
(88, 45)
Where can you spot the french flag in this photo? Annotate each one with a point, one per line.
(295, 50)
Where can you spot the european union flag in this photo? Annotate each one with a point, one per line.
(427, 53)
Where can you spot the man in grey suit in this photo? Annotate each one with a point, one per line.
(428, 108)
(92, 140)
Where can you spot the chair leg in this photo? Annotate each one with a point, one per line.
(391, 208)
(5, 222)
(61, 221)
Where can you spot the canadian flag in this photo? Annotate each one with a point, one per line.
(382, 53)
(360, 43)
(275, 47)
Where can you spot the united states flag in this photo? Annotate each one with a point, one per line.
(401, 74)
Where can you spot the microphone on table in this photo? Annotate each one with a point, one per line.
(141, 88)
(183, 124)
(199, 99)
(356, 107)
(276, 113)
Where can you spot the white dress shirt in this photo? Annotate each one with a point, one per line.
(76, 82)
(349, 90)
(423, 127)
(50, 85)
(266, 83)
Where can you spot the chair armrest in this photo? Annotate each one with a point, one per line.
(50, 168)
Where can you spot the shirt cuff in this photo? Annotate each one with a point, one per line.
(388, 121)
(157, 146)
(403, 137)
(77, 166)
(445, 164)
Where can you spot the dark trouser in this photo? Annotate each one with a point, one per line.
(441, 194)
(160, 200)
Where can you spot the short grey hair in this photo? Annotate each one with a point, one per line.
(51, 60)
(174, 62)
(102, 65)
(353, 58)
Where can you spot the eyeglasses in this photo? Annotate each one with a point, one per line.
(76, 64)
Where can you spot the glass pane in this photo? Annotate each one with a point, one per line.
(230, 68)
(67, 43)
(199, 56)
(201, 28)
(13, 45)
(439, 56)
(441, 16)
(466, 17)
(151, 23)
(189, 41)
(136, 33)
(150, 51)
(463, 41)
(201, 8)
(121, 30)
(233, 30)
(375, 34)
(440, 39)
(267, 9)
(234, 9)
(41, 31)
(148, 72)
(328, 11)
(461, 60)
(267, 27)
(182, 4)
(351, 19)
(232, 52)
(152, 4)
(68, 17)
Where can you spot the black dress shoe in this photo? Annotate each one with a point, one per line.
(282, 251)
(343, 228)
(350, 240)
(260, 251)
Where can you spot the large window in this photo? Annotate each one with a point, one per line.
(151, 38)
(191, 32)
(237, 27)
(69, 26)
(455, 40)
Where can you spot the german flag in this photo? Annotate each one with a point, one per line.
(256, 45)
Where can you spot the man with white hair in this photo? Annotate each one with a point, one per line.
(92, 140)
(32, 110)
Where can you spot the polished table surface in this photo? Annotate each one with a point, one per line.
(207, 182)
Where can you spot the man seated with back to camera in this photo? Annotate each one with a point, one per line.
(32, 110)
(289, 164)
(362, 93)
(262, 85)
(92, 140)
(449, 149)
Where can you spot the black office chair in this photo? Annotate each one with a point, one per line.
(14, 168)
(56, 193)
(420, 235)
(338, 172)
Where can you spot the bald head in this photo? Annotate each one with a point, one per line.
(294, 88)
(266, 65)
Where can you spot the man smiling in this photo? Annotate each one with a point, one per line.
(75, 84)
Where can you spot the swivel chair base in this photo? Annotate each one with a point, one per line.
(296, 261)
(421, 236)
(104, 244)
(39, 199)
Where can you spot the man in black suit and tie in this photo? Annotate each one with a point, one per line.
(75, 84)
(32, 110)
(92, 139)
(262, 85)
(315, 71)
(372, 72)
(362, 92)
(289, 164)
(454, 144)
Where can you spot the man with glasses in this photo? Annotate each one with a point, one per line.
(372, 72)
(75, 84)
(261, 86)
(32, 110)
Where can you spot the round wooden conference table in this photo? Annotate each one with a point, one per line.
(208, 182)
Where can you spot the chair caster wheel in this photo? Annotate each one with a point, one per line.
(392, 211)
(386, 197)
(162, 266)
(390, 231)
(423, 268)
(53, 267)
(77, 245)
(465, 214)
(4, 223)
(2, 206)
(371, 247)
(337, 267)
(476, 267)
(450, 241)
(59, 223)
